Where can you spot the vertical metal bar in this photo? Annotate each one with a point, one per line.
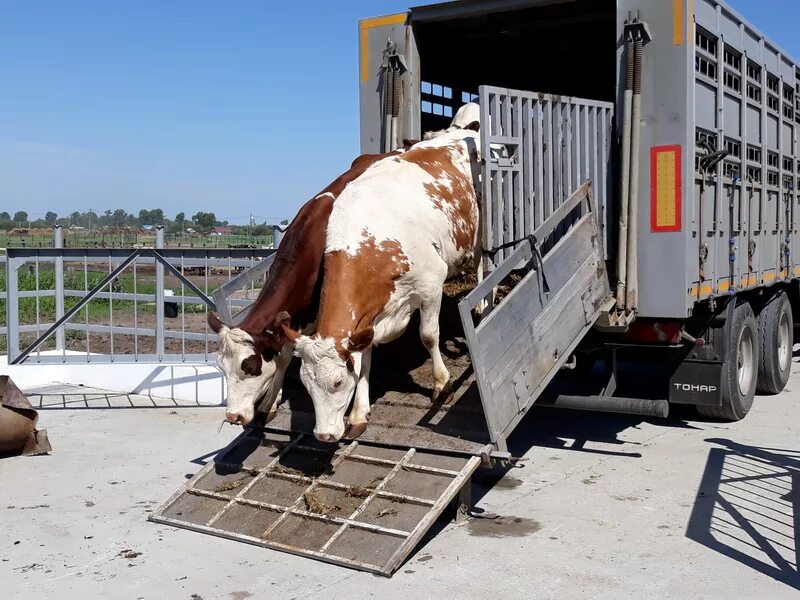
(587, 169)
(528, 194)
(496, 127)
(38, 320)
(205, 290)
(549, 161)
(58, 265)
(569, 141)
(497, 202)
(12, 307)
(183, 313)
(159, 297)
(538, 178)
(111, 306)
(602, 190)
(86, 308)
(135, 315)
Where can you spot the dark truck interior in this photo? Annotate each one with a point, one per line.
(565, 47)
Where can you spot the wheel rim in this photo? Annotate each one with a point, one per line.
(745, 368)
(784, 342)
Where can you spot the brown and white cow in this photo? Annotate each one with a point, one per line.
(394, 236)
(254, 355)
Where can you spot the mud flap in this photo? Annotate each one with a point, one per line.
(696, 382)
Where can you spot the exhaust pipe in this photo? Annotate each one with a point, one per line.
(611, 404)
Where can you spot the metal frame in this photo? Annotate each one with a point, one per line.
(167, 261)
(408, 539)
(539, 149)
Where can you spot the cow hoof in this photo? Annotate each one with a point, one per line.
(443, 396)
(356, 429)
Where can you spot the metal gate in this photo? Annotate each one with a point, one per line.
(539, 149)
(539, 154)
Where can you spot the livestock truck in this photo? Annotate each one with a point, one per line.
(638, 187)
(678, 121)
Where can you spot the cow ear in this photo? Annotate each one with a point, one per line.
(361, 340)
(283, 324)
(215, 323)
(407, 144)
(252, 365)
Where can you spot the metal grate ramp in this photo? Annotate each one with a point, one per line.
(356, 505)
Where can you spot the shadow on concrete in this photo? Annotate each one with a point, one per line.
(748, 508)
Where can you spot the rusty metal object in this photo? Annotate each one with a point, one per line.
(18, 433)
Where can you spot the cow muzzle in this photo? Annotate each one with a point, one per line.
(237, 418)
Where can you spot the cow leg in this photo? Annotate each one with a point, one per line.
(429, 333)
(359, 415)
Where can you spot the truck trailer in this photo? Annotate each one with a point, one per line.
(638, 187)
(682, 118)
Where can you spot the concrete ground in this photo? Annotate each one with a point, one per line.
(604, 507)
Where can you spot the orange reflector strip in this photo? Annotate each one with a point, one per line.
(363, 37)
(665, 188)
(677, 22)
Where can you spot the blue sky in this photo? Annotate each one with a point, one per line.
(232, 107)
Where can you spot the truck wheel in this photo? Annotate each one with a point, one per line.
(775, 329)
(740, 369)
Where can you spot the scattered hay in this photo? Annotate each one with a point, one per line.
(287, 471)
(460, 285)
(386, 512)
(316, 505)
(358, 491)
(232, 485)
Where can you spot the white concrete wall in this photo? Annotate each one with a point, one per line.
(185, 383)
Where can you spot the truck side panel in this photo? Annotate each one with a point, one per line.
(666, 258)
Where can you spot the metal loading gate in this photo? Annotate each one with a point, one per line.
(364, 507)
(544, 193)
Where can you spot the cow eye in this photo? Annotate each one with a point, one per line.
(337, 384)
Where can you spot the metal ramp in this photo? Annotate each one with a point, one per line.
(355, 505)
(544, 243)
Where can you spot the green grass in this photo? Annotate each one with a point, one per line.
(91, 240)
(96, 310)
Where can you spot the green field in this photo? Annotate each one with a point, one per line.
(96, 310)
(108, 240)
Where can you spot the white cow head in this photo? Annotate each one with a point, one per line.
(248, 362)
(467, 117)
(330, 374)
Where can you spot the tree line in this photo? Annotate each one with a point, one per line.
(201, 222)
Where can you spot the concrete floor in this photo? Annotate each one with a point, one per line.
(604, 507)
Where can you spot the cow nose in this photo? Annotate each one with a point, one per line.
(324, 437)
(235, 418)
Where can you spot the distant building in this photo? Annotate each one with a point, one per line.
(222, 230)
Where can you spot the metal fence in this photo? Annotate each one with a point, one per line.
(142, 305)
(539, 150)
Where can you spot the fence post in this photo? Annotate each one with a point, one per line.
(159, 296)
(58, 243)
(12, 308)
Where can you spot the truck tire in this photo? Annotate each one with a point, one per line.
(775, 328)
(740, 369)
